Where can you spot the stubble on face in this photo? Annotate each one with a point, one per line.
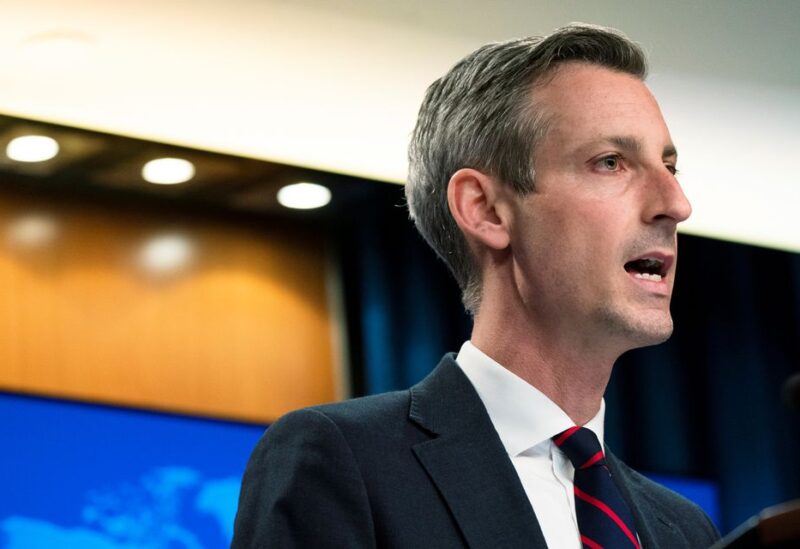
(641, 330)
(650, 326)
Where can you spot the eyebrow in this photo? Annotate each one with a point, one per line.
(633, 145)
(630, 144)
(669, 151)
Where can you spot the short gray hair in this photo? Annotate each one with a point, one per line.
(479, 116)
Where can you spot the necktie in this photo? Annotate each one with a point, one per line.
(604, 519)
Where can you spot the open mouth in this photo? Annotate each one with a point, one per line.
(648, 268)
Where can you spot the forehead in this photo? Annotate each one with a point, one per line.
(583, 101)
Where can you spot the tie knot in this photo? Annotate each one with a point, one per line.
(581, 447)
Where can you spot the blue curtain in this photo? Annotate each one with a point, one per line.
(404, 310)
(705, 404)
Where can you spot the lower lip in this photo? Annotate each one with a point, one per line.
(659, 287)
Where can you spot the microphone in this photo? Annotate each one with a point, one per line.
(791, 392)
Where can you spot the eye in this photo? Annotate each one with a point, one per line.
(610, 163)
(672, 169)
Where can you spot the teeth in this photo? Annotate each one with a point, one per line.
(647, 276)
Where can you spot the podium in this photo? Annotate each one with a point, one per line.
(775, 527)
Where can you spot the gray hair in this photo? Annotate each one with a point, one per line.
(479, 115)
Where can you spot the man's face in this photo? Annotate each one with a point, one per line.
(594, 246)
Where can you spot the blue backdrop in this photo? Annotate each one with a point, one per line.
(95, 477)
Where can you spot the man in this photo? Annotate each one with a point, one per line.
(543, 174)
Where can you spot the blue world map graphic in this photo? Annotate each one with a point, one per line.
(143, 515)
(96, 477)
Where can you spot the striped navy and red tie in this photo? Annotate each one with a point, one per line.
(604, 519)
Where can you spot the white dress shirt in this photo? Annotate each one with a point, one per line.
(525, 419)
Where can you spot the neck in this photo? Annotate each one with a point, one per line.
(572, 373)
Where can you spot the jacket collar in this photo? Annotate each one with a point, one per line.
(468, 463)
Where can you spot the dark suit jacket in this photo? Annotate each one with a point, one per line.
(417, 469)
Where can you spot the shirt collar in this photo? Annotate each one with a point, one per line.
(521, 414)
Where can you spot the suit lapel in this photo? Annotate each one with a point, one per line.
(469, 464)
(654, 529)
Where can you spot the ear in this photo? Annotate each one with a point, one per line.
(474, 198)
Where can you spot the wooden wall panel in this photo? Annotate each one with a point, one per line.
(242, 331)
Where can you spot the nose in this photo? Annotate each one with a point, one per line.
(666, 200)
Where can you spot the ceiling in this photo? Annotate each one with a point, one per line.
(106, 169)
(335, 85)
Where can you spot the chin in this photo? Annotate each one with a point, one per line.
(640, 330)
(654, 335)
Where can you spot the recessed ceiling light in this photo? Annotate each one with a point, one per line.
(32, 148)
(304, 196)
(168, 171)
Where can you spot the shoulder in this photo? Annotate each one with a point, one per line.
(358, 428)
(308, 469)
(350, 416)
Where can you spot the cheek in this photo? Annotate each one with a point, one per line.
(585, 253)
(554, 256)
(563, 239)
(578, 232)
